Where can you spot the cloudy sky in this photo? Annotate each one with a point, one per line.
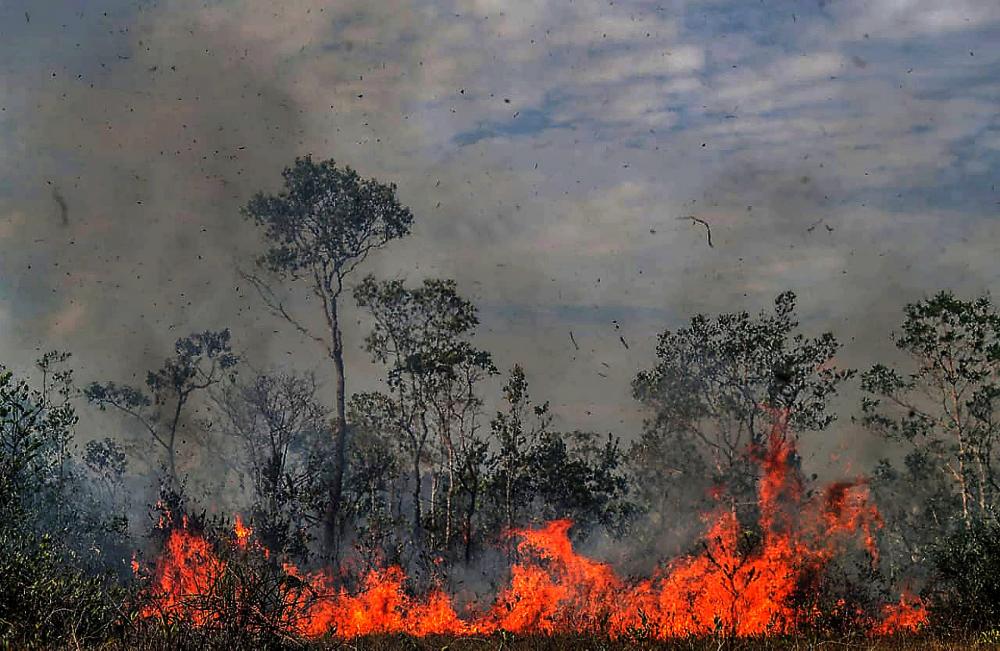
(846, 149)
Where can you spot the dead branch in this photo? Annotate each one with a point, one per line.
(704, 223)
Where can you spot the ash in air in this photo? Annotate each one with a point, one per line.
(327, 320)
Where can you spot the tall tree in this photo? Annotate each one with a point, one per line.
(200, 360)
(319, 228)
(945, 406)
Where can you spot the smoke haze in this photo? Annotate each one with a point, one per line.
(847, 150)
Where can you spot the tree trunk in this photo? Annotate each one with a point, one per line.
(433, 514)
(175, 481)
(417, 515)
(449, 495)
(339, 437)
(469, 515)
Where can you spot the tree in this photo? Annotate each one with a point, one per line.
(433, 404)
(320, 227)
(200, 361)
(277, 417)
(945, 407)
(716, 387)
(35, 433)
(535, 475)
(377, 482)
(516, 432)
(580, 476)
(964, 586)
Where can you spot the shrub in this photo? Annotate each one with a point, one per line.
(47, 598)
(965, 583)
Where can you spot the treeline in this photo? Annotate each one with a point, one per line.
(420, 473)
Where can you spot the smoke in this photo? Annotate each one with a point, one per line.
(547, 152)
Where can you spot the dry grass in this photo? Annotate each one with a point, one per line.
(500, 642)
(511, 643)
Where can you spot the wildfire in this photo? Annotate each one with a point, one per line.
(725, 589)
(187, 569)
(907, 615)
(242, 532)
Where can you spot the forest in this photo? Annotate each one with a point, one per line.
(431, 513)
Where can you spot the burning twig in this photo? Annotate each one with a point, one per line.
(704, 223)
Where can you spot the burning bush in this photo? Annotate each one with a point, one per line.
(223, 581)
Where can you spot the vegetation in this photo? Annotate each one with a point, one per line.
(420, 473)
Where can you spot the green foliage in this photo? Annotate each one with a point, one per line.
(516, 431)
(578, 476)
(49, 595)
(422, 333)
(730, 369)
(943, 409)
(320, 227)
(432, 409)
(52, 588)
(374, 488)
(965, 580)
(537, 475)
(326, 219)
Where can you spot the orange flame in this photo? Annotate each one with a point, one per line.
(725, 589)
(242, 532)
(187, 569)
(907, 616)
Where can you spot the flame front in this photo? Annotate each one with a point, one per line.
(554, 590)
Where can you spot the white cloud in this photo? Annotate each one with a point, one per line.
(898, 19)
(647, 62)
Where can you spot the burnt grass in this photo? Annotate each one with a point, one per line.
(162, 640)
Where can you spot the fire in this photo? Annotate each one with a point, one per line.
(736, 586)
(904, 617)
(242, 532)
(186, 570)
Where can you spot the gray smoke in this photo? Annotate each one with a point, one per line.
(546, 150)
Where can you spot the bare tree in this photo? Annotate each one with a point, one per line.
(319, 228)
(276, 416)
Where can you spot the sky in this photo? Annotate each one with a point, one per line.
(845, 149)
